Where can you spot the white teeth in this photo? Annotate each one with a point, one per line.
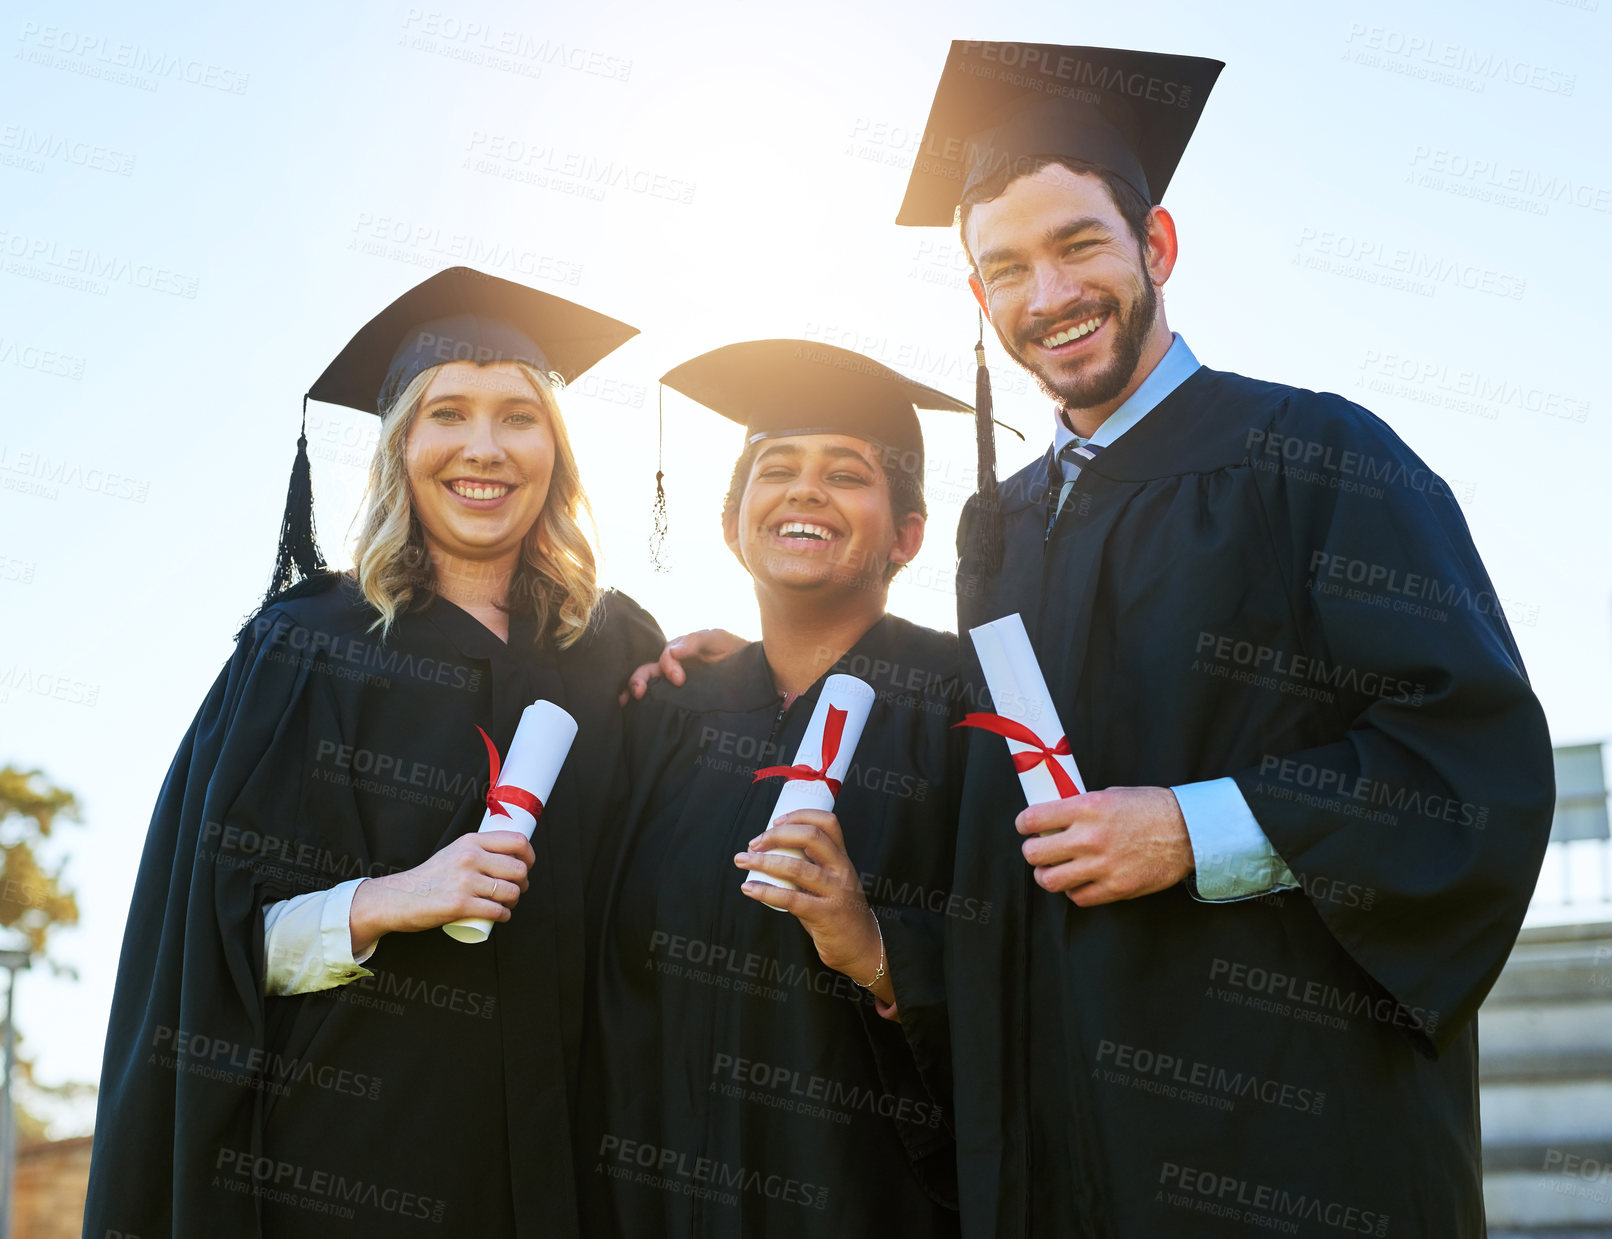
(470, 491)
(791, 529)
(1074, 333)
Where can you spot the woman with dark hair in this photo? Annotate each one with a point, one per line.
(294, 1050)
(747, 1073)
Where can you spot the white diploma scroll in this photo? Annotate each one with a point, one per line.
(528, 771)
(1019, 691)
(851, 700)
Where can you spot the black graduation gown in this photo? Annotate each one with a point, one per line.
(432, 1098)
(1264, 583)
(734, 1086)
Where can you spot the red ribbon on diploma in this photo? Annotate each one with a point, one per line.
(499, 795)
(1022, 762)
(833, 729)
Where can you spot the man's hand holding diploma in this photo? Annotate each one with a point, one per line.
(1103, 846)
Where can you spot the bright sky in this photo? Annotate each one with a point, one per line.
(197, 209)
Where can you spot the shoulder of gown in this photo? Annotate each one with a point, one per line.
(929, 647)
(738, 683)
(620, 621)
(1219, 420)
(329, 603)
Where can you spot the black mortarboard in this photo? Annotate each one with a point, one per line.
(799, 387)
(456, 315)
(1007, 105)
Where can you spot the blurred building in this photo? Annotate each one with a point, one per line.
(1545, 1033)
(51, 1178)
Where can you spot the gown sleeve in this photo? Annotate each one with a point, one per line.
(913, 939)
(641, 636)
(308, 942)
(914, 1057)
(634, 638)
(914, 943)
(1417, 829)
(190, 976)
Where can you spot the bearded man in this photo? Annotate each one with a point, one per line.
(1233, 987)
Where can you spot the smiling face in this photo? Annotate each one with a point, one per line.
(1071, 293)
(480, 455)
(816, 513)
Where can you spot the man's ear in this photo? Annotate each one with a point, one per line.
(1162, 249)
(909, 539)
(979, 295)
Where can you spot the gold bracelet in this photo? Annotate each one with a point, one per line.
(879, 975)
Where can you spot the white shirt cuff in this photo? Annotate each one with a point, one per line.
(1234, 859)
(308, 942)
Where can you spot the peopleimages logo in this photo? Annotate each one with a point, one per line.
(887, 892)
(677, 1171)
(1176, 1076)
(1374, 261)
(1268, 982)
(790, 1085)
(744, 971)
(41, 361)
(1315, 454)
(231, 1062)
(1077, 71)
(327, 1191)
(516, 51)
(1385, 585)
(34, 146)
(50, 472)
(306, 644)
(131, 64)
(1284, 666)
(87, 269)
(1454, 63)
(1326, 781)
(1260, 1204)
(1470, 391)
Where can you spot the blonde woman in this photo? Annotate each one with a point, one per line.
(294, 1049)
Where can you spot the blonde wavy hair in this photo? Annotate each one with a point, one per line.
(557, 578)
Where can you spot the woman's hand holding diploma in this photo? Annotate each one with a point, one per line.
(827, 899)
(477, 875)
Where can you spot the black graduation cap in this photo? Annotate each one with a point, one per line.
(801, 387)
(1005, 105)
(457, 315)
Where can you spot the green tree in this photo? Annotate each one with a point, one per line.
(34, 901)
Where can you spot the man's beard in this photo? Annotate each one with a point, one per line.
(1090, 388)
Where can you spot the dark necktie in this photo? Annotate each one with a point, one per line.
(1078, 455)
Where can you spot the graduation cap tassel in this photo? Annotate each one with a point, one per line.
(657, 536)
(988, 524)
(299, 556)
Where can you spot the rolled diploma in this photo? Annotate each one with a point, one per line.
(844, 692)
(1019, 692)
(533, 762)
